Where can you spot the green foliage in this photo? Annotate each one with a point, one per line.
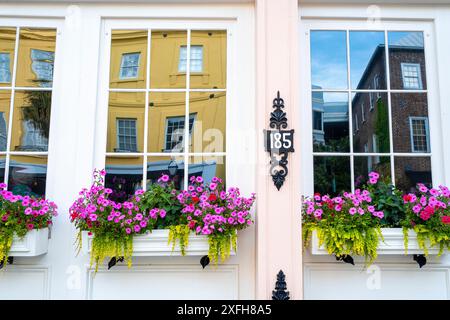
(220, 246)
(109, 246)
(180, 234)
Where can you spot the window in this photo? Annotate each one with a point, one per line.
(411, 76)
(166, 120)
(175, 131)
(317, 121)
(196, 59)
(129, 66)
(5, 71)
(419, 134)
(126, 135)
(341, 160)
(25, 104)
(42, 66)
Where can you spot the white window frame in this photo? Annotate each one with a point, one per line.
(314, 20)
(419, 75)
(427, 133)
(122, 66)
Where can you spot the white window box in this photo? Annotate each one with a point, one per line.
(393, 243)
(34, 243)
(155, 244)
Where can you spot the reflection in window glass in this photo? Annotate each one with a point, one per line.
(2, 167)
(196, 59)
(410, 122)
(406, 60)
(210, 121)
(334, 113)
(208, 59)
(165, 51)
(372, 123)
(364, 165)
(36, 57)
(123, 176)
(172, 166)
(5, 104)
(126, 115)
(329, 59)
(27, 175)
(409, 171)
(368, 60)
(207, 167)
(331, 175)
(166, 121)
(128, 59)
(31, 124)
(7, 46)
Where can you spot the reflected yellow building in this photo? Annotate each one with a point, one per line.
(31, 108)
(166, 113)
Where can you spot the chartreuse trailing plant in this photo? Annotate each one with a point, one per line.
(203, 209)
(19, 215)
(428, 214)
(348, 224)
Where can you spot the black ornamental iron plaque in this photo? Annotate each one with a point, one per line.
(279, 141)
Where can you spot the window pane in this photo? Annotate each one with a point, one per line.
(128, 59)
(172, 166)
(5, 103)
(123, 176)
(207, 167)
(208, 59)
(407, 60)
(209, 132)
(409, 171)
(329, 60)
(7, 45)
(334, 109)
(36, 57)
(408, 136)
(165, 55)
(332, 175)
(367, 60)
(166, 121)
(372, 113)
(27, 175)
(364, 165)
(31, 121)
(126, 108)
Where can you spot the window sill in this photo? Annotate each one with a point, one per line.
(393, 244)
(156, 244)
(34, 243)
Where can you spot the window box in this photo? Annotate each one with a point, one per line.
(34, 243)
(156, 244)
(393, 243)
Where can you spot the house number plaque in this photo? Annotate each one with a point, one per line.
(278, 141)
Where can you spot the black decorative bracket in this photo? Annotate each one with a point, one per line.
(114, 261)
(420, 259)
(278, 142)
(280, 292)
(9, 261)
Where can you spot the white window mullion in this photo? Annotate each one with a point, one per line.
(147, 93)
(350, 113)
(186, 115)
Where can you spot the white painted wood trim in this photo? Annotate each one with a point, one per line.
(34, 243)
(156, 244)
(393, 243)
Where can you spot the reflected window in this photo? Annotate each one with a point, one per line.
(419, 134)
(175, 132)
(32, 138)
(5, 69)
(129, 65)
(3, 131)
(126, 135)
(196, 64)
(42, 65)
(411, 76)
(317, 121)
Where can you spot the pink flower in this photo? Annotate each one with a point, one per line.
(162, 213)
(30, 226)
(213, 186)
(137, 228)
(128, 230)
(352, 211)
